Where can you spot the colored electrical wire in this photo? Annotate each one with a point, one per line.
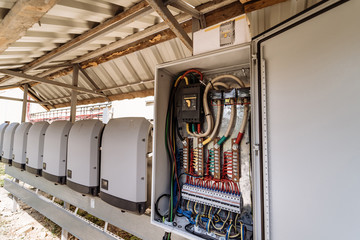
(243, 124)
(207, 112)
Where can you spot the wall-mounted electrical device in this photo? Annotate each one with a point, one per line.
(35, 147)
(83, 156)
(55, 151)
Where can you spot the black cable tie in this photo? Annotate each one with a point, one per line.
(211, 84)
(207, 114)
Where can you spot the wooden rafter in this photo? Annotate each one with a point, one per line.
(122, 19)
(171, 21)
(122, 96)
(138, 43)
(42, 80)
(253, 5)
(22, 16)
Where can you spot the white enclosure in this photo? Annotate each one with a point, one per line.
(35, 147)
(83, 157)
(7, 150)
(123, 178)
(309, 76)
(55, 150)
(20, 142)
(3, 127)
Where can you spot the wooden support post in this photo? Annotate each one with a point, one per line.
(24, 107)
(74, 94)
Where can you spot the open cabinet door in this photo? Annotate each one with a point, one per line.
(308, 111)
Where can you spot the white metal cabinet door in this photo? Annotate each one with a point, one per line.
(310, 127)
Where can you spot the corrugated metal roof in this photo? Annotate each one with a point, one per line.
(69, 18)
(132, 72)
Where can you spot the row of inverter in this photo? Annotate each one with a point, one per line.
(90, 157)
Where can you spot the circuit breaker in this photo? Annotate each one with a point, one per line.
(83, 156)
(55, 151)
(191, 107)
(35, 147)
(3, 127)
(123, 177)
(8, 143)
(20, 143)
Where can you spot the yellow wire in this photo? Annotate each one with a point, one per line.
(188, 129)
(195, 208)
(206, 141)
(178, 80)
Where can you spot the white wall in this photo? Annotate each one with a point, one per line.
(134, 108)
(10, 110)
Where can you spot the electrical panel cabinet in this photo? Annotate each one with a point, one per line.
(35, 147)
(83, 156)
(124, 177)
(201, 169)
(20, 144)
(292, 129)
(55, 151)
(8, 144)
(3, 127)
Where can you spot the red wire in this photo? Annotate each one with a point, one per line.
(193, 70)
(239, 137)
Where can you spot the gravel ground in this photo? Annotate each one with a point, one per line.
(26, 223)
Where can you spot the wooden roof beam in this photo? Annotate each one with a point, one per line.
(22, 16)
(43, 80)
(20, 100)
(124, 18)
(150, 37)
(170, 20)
(179, 4)
(250, 6)
(121, 96)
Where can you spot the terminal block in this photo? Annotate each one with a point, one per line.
(218, 199)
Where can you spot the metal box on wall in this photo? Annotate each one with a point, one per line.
(83, 156)
(35, 147)
(8, 143)
(20, 143)
(55, 151)
(3, 126)
(123, 177)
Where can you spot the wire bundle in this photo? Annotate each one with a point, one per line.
(213, 221)
(171, 129)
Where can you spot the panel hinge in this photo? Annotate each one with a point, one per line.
(254, 58)
(256, 149)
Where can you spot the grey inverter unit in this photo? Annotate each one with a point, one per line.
(20, 142)
(2, 132)
(123, 177)
(83, 156)
(35, 148)
(8, 144)
(55, 150)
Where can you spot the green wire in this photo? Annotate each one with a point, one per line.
(222, 140)
(171, 195)
(193, 127)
